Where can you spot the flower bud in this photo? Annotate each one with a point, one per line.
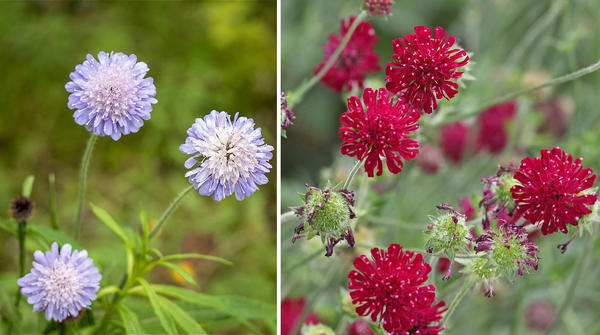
(21, 208)
(319, 329)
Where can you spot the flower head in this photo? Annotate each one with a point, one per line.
(291, 310)
(61, 283)
(232, 156)
(551, 190)
(380, 131)
(286, 114)
(360, 327)
(492, 126)
(357, 60)
(540, 315)
(326, 213)
(381, 7)
(425, 68)
(454, 141)
(21, 208)
(390, 289)
(429, 159)
(110, 95)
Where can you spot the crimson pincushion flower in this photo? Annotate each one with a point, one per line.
(357, 60)
(492, 126)
(381, 7)
(454, 141)
(425, 68)
(554, 190)
(390, 289)
(379, 130)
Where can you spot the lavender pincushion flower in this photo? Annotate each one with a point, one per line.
(111, 96)
(233, 156)
(62, 283)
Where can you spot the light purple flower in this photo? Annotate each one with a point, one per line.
(232, 156)
(61, 283)
(110, 96)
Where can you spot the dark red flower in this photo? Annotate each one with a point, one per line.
(291, 310)
(429, 159)
(382, 130)
(540, 315)
(443, 265)
(360, 327)
(356, 60)
(454, 141)
(492, 126)
(424, 67)
(389, 289)
(379, 7)
(550, 190)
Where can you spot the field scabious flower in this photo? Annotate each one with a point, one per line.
(357, 60)
(232, 156)
(61, 283)
(425, 68)
(380, 131)
(110, 95)
(552, 189)
(390, 289)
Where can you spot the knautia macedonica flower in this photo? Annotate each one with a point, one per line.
(227, 156)
(551, 189)
(453, 141)
(381, 7)
(326, 213)
(540, 315)
(62, 283)
(425, 68)
(291, 311)
(492, 126)
(390, 289)
(380, 129)
(357, 60)
(429, 159)
(110, 95)
(360, 327)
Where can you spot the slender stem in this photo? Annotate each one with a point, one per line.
(352, 174)
(51, 186)
(559, 80)
(170, 210)
(85, 162)
(463, 290)
(22, 229)
(304, 87)
(570, 293)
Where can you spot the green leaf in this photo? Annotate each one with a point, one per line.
(184, 274)
(159, 309)
(130, 321)
(182, 318)
(201, 256)
(111, 224)
(28, 185)
(52, 235)
(9, 226)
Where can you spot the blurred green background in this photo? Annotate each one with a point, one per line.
(203, 55)
(514, 44)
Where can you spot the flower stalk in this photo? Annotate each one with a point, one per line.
(85, 162)
(170, 210)
(457, 299)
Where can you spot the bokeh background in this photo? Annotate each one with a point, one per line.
(203, 55)
(513, 45)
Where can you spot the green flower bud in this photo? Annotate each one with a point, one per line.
(319, 329)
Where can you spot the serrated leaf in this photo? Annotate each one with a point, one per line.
(163, 316)
(182, 318)
(51, 235)
(111, 224)
(194, 255)
(27, 186)
(130, 321)
(184, 274)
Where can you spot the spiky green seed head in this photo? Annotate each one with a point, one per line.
(447, 234)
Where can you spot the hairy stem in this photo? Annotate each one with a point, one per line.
(85, 161)
(21, 233)
(351, 175)
(457, 299)
(170, 210)
(304, 87)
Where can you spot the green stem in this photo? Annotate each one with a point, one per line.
(21, 233)
(304, 87)
(170, 210)
(459, 296)
(352, 174)
(52, 189)
(85, 162)
(570, 293)
(556, 81)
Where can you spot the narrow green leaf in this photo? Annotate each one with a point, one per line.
(165, 319)
(184, 274)
(130, 321)
(111, 224)
(182, 318)
(51, 235)
(28, 185)
(201, 256)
